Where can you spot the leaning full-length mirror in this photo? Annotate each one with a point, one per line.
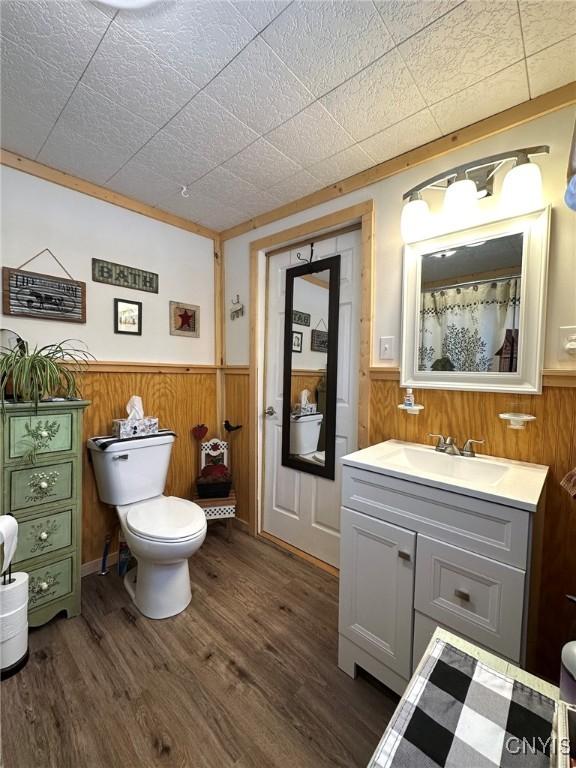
(310, 366)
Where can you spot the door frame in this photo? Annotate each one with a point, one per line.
(260, 249)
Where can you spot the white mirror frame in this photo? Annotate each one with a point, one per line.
(528, 378)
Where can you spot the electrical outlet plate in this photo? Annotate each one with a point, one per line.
(565, 334)
(387, 350)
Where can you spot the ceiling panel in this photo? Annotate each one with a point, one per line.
(494, 94)
(345, 37)
(63, 33)
(129, 74)
(220, 184)
(196, 38)
(552, 67)
(260, 12)
(201, 207)
(22, 131)
(472, 42)
(404, 18)
(340, 166)
(379, 96)
(170, 158)
(545, 23)
(259, 88)
(310, 136)
(262, 165)
(139, 181)
(298, 185)
(416, 130)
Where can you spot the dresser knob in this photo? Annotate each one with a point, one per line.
(43, 433)
(43, 484)
(44, 586)
(43, 536)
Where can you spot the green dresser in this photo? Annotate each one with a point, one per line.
(41, 465)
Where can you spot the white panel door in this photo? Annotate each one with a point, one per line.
(299, 508)
(376, 589)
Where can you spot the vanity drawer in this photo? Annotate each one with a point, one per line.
(45, 534)
(485, 527)
(473, 595)
(49, 583)
(40, 484)
(40, 434)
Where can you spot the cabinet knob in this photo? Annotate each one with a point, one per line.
(43, 536)
(43, 433)
(462, 594)
(43, 484)
(44, 586)
(403, 555)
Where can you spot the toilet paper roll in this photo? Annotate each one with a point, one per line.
(13, 623)
(13, 595)
(8, 537)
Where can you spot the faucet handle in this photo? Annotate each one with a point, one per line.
(468, 449)
(441, 444)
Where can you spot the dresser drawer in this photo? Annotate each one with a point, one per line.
(471, 594)
(49, 583)
(45, 534)
(42, 484)
(30, 436)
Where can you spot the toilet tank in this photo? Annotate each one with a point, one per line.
(132, 469)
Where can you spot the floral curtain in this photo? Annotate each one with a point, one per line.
(469, 327)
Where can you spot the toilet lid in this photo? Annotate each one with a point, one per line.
(167, 518)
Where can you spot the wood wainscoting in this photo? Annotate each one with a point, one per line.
(181, 396)
(236, 410)
(550, 440)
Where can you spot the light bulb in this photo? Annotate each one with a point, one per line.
(415, 221)
(460, 200)
(522, 188)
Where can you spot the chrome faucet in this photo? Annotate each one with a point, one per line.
(448, 445)
(451, 447)
(468, 449)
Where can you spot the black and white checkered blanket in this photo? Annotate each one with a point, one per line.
(460, 713)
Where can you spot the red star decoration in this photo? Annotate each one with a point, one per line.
(185, 318)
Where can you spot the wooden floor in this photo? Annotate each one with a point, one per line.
(245, 677)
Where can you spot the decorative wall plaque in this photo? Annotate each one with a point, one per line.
(300, 318)
(319, 341)
(184, 319)
(123, 276)
(31, 294)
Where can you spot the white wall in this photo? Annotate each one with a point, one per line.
(554, 129)
(37, 214)
(312, 299)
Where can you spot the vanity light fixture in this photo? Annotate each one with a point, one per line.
(465, 184)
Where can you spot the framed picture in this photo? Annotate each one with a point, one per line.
(300, 318)
(296, 341)
(128, 317)
(31, 294)
(184, 319)
(124, 277)
(319, 341)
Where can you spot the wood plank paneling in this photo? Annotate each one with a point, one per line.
(305, 380)
(236, 410)
(180, 400)
(550, 440)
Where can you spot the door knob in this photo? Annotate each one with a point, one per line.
(270, 411)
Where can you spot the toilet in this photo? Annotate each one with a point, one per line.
(304, 433)
(162, 532)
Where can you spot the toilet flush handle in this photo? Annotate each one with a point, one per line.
(120, 457)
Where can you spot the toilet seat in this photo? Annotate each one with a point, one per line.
(165, 518)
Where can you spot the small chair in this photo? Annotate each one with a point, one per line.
(216, 452)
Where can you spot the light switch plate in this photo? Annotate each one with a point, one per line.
(387, 348)
(566, 333)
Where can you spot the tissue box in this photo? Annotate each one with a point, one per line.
(134, 427)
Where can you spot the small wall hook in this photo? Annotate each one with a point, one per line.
(184, 191)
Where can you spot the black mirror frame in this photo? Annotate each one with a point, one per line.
(332, 263)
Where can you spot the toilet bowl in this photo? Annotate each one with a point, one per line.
(161, 531)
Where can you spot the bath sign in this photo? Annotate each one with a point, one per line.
(125, 277)
(31, 294)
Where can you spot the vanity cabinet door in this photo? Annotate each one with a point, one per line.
(376, 588)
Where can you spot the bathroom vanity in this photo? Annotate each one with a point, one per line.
(430, 539)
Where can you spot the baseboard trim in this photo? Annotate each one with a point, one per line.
(93, 566)
(299, 553)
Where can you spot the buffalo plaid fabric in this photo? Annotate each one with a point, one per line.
(459, 713)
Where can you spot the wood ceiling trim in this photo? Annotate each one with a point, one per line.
(509, 118)
(24, 164)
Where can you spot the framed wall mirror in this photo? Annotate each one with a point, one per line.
(474, 306)
(310, 366)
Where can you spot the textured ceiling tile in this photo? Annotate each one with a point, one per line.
(310, 136)
(76, 154)
(131, 75)
(406, 17)
(377, 97)
(104, 122)
(22, 131)
(343, 36)
(260, 12)
(142, 183)
(172, 159)
(31, 83)
(259, 89)
(196, 38)
(494, 94)
(302, 183)
(347, 163)
(63, 33)
(475, 40)
(208, 129)
(552, 67)
(201, 209)
(261, 164)
(545, 23)
(223, 186)
(412, 132)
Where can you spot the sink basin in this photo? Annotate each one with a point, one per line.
(515, 483)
